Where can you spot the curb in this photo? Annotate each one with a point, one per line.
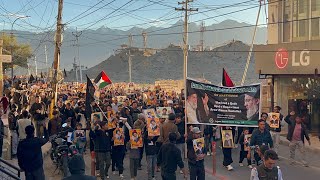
(312, 149)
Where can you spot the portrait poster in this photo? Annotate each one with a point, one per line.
(118, 135)
(227, 139)
(79, 133)
(163, 112)
(121, 99)
(247, 138)
(112, 123)
(149, 113)
(227, 106)
(135, 138)
(96, 117)
(273, 120)
(153, 126)
(198, 146)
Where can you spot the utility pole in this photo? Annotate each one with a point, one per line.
(185, 47)
(202, 29)
(46, 54)
(75, 67)
(56, 62)
(36, 65)
(130, 58)
(77, 35)
(144, 35)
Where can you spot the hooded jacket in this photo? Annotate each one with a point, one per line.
(77, 169)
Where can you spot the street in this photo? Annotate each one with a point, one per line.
(296, 172)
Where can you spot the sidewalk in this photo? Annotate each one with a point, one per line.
(315, 143)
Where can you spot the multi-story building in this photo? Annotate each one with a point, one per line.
(291, 58)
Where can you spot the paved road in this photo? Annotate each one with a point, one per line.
(290, 172)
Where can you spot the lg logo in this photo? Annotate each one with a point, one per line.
(282, 58)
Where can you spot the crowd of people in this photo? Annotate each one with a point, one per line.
(123, 106)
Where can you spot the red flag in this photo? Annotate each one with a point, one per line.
(226, 80)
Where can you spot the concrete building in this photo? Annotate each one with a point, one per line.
(291, 59)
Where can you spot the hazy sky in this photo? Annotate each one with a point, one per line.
(121, 14)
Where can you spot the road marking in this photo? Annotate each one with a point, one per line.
(300, 163)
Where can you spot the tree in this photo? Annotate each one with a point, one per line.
(21, 52)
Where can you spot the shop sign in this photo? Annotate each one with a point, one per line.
(289, 58)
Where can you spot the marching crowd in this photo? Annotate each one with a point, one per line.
(31, 125)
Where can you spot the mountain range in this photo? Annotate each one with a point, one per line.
(98, 45)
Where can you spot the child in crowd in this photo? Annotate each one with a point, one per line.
(79, 138)
(245, 145)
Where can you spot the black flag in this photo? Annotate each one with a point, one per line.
(89, 97)
(31, 79)
(65, 73)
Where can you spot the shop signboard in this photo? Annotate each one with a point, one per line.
(287, 58)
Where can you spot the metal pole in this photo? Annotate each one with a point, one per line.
(130, 58)
(58, 42)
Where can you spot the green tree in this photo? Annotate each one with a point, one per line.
(21, 52)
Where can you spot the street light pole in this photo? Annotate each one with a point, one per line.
(11, 36)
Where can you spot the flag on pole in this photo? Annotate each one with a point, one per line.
(226, 80)
(102, 80)
(89, 97)
(31, 79)
(65, 73)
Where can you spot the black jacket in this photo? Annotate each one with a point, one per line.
(102, 141)
(292, 124)
(192, 154)
(150, 145)
(181, 129)
(77, 169)
(169, 157)
(259, 138)
(30, 154)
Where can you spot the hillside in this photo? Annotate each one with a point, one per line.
(168, 64)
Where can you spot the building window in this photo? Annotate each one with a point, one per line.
(315, 19)
(301, 20)
(286, 21)
(315, 27)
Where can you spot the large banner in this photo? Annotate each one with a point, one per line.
(216, 105)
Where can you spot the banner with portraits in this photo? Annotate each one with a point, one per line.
(135, 138)
(163, 112)
(118, 135)
(273, 120)
(226, 106)
(153, 124)
(198, 146)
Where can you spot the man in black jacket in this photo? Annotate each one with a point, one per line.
(169, 157)
(297, 131)
(77, 169)
(30, 155)
(195, 161)
(102, 148)
(181, 128)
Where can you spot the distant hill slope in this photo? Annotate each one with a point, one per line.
(168, 64)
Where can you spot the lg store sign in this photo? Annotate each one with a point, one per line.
(282, 58)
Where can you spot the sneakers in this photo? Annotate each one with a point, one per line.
(181, 172)
(158, 169)
(250, 166)
(113, 172)
(241, 164)
(229, 167)
(208, 154)
(108, 177)
(139, 168)
(121, 176)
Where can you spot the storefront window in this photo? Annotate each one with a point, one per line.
(302, 95)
